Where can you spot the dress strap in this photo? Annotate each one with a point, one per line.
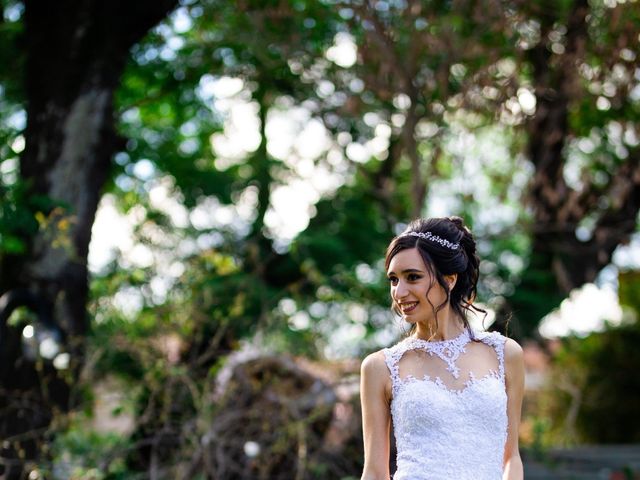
(391, 358)
(497, 341)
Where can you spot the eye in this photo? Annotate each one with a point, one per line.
(393, 280)
(414, 277)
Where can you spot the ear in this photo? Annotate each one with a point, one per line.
(451, 280)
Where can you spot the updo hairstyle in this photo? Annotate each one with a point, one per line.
(440, 260)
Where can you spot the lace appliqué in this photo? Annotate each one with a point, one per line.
(497, 342)
(437, 381)
(447, 350)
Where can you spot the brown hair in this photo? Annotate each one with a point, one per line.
(441, 260)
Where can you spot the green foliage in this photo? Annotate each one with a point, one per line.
(595, 379)
(80, 452)
(595, 387)
(461, 65)
(11, 56)
(16, 221)
(629, 290)
(341, 229)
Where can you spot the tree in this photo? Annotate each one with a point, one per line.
(424, 75)
(582, 68)
(74, 53)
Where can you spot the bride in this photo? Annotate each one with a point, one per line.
(454, 395)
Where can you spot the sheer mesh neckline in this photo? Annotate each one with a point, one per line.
(448, 350)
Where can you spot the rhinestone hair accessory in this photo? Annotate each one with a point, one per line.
(435, 238)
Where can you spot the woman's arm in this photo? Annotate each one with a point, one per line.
(374, 397)
(514, 372)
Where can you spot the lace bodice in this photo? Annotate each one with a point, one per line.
(449, 407)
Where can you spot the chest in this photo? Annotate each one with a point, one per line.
(426, 409)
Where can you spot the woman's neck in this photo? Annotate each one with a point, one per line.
(449, 327)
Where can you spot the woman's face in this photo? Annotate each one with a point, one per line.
(412, 287)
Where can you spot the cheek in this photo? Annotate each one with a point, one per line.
(437, 293)
(427, 289)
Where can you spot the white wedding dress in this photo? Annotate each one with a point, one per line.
(449, 407)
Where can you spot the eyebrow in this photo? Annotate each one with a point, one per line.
(408, 270)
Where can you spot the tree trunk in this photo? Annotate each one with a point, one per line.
(560, 261)
(76, 52)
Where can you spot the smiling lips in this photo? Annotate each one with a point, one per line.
(408, 307)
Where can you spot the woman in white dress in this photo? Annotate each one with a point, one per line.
(453, 395)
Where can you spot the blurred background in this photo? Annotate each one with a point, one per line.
(197, 196)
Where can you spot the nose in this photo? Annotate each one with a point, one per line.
(400, 290)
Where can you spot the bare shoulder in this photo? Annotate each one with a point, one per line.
(513, 353)
(514, 362)
(374, 365)
(375, 376)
